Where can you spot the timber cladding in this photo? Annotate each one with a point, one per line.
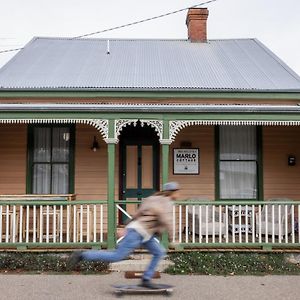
(13, 158)
(280, 179)
(202, 185)
(90, 166)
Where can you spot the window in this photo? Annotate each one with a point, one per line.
(51, 159)
(238, 162)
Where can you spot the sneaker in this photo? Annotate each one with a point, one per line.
(74, 259)
(148, 284)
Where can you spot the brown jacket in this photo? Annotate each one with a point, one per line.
(155, 214)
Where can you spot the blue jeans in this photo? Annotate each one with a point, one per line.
(131, 241)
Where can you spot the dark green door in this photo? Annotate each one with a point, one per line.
(139, 168)
(139, 164)
(139, 172)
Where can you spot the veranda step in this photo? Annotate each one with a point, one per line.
(137, 265)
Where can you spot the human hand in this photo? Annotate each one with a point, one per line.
(121, 232)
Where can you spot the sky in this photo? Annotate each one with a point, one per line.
(275, 23)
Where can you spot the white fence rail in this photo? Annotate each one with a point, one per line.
(234, 223)
(195, 223)
(272, 222)
(53, 223)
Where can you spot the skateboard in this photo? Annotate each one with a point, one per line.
(122, 289)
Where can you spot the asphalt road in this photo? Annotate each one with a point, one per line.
(92, 287)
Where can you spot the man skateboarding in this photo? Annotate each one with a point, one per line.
(152, 218)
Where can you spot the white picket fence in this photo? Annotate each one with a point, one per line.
(235, 223)
(52, 223)
(272, 222)
(195, 224)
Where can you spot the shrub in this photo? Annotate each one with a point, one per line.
(45, 262)
(230, 263)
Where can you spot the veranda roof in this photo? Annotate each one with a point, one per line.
(150, 108)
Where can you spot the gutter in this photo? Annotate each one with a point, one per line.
(153, 94)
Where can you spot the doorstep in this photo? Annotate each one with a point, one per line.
(138, 265)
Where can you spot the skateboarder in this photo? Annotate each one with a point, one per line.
(153, 217)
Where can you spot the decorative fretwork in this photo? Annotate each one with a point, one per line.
(121, 123)
(176, 126)
(156, 124)
(101, 125)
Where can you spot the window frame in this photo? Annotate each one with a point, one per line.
(259, 167)
(30, 153)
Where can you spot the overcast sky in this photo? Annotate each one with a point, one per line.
(275, 23)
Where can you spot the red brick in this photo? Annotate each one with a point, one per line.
(196, 22)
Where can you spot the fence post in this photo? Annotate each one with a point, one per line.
(111, 217)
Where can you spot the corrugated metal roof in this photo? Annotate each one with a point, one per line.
(80, 64)
(152, 108)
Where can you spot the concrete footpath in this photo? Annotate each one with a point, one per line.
(92, 287)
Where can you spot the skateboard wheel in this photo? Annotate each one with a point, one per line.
(118, 294)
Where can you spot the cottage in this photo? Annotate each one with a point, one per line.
(89, 127)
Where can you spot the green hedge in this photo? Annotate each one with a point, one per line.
(206, 263)
(230, 263)
(45, 262)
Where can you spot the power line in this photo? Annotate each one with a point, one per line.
(10, 50)
(145, 20)
(130, 24)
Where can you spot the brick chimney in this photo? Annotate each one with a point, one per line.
(196, 20)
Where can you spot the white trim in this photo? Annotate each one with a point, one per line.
(121, 123)
(101, 125)
(156, 124)
(165, 141)
(111, 141)
(176, 126)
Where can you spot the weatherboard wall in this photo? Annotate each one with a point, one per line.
(279, 179)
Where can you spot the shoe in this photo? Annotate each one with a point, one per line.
(148, 284)
(74, 259)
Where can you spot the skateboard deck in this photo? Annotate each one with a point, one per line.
(136, 289)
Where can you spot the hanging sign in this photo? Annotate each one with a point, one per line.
(186, 161)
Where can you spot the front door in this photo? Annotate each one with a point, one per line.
(139, 154)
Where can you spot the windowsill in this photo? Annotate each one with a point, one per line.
(49, 197)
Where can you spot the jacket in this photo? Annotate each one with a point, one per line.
(155, 215)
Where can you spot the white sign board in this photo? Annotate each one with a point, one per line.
(186, 161)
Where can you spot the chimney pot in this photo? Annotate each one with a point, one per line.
(196, 22)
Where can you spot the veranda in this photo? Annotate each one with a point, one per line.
(202, 223)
